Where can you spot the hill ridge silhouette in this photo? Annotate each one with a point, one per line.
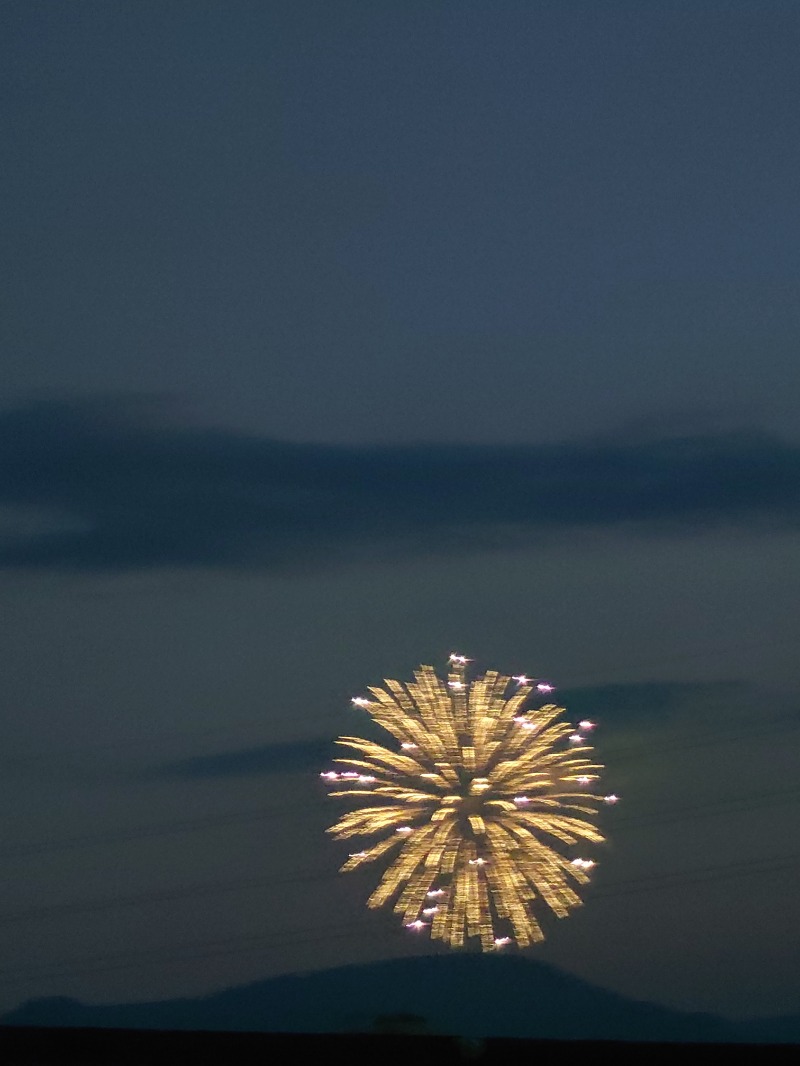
(464, 995)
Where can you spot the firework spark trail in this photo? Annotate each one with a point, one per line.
(478, 811)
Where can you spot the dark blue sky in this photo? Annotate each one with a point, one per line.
(406, 221)
(342, 335)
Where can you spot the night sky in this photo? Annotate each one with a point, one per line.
(339, 336)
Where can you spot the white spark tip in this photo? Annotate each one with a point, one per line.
(418, 924)
(611, 799)
(404, 829)
(576, 738)
(477, 862)
(586, 724)
(521, 679)
(360, 701)
(502, 941)
(456, 684)
(407, 745)
(544, 687)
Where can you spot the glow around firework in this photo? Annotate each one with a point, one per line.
(478, 810)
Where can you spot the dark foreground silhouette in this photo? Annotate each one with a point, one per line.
(137, 1047)
(468, 996)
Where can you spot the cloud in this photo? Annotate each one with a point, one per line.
(626, 705)
(261, 761)
(628, 714)
(113, 485)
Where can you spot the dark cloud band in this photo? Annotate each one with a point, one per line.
(111, 488)
(623, 708)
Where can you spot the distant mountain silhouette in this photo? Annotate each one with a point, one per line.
(465, 995)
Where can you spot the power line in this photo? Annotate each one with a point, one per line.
(680, 878)
(258, 943)
(204, 888)
(262, 813)
(711, 809)
(148, 830)
(263, 942)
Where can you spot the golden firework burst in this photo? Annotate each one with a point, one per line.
(479, 810)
